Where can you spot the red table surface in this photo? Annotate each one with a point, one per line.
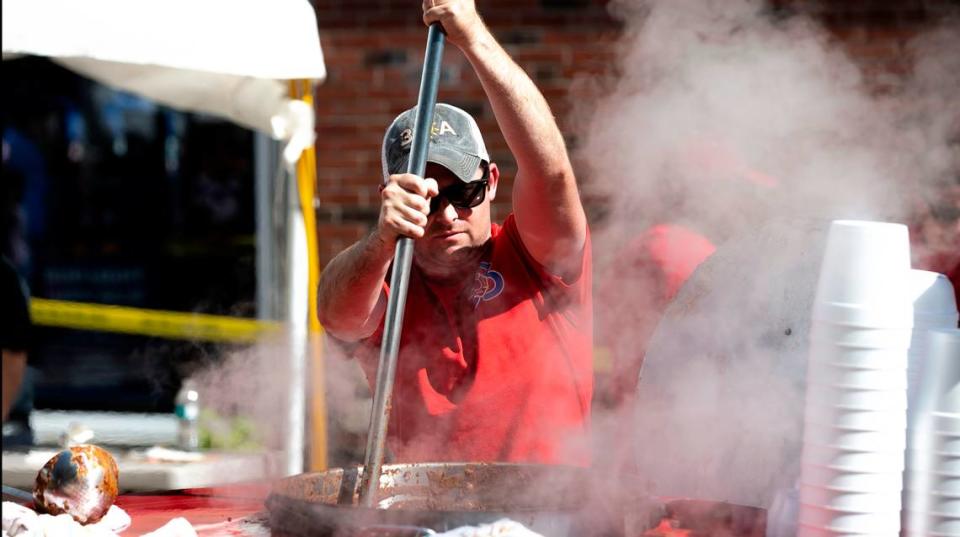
(238, 511)
(217, 507)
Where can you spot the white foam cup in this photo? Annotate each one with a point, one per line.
(943, 445)
(950, 402)
(894, 313)
(944, 509)
(913, 533)
(810, 530)
(920, 346)
(839, 520)
(876, 359)
(857, 337)
(857, 440)
(939, 374)
(920, 523)
(934, 504)
(933, 482)
(931, 449)
(851, 399)
(946, 423)
(920, 497)
(856, 378)
(915, 358)
(854, 502)
(850, 460)
(934, 307)
(925, 461)
(862, 420)
(862, 260)
(925, 525)
(851, 481)
(934, 300)
(909, 533)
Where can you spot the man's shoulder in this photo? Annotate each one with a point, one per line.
(508, 246)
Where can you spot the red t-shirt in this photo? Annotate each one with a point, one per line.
(500, 370)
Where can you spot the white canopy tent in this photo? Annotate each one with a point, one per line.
(232, 59)
(221, 57)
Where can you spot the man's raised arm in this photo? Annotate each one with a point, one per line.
(546, 203)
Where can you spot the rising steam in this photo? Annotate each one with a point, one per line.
(753, 129)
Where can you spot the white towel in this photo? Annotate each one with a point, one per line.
(20, 521)
(501, 528)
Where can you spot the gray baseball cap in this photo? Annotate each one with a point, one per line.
(455, 143)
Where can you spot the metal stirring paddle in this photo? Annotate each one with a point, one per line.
(400, 277)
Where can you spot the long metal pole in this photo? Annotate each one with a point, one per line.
(400, 277)
(297, 307)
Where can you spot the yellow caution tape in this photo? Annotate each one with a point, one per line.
(166, 324)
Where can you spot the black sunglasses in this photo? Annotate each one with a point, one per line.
(463, 195)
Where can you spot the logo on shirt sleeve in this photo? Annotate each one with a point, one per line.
(487, 286)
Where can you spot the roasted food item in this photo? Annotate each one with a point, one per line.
(80, 481)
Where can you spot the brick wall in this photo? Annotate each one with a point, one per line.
(374, 52)
(875, 32)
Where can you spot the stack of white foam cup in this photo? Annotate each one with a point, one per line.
(855, 418)
(934, 306)
(932, 482)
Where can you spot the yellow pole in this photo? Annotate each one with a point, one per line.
(307, 187)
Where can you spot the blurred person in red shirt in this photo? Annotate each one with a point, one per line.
(652, 266)
(643, 280)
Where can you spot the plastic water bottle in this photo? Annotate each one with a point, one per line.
(187, 410)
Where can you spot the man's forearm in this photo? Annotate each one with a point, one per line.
(546, 201)
(522, 112)
(349, 304)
